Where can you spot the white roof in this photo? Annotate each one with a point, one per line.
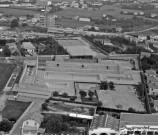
(27, 45)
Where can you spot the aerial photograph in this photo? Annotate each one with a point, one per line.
(78, 67)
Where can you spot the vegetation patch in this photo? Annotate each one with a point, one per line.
(5, 72)
(14, 109)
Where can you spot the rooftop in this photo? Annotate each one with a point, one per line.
(152, 86)
(138, 119)
(104, 121)
(27, 45)
(150, 72)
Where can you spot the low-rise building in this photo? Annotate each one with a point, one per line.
(151, 73)
(31, 126)
(142, 124)
(28, 47)
(104, 125)
(153, 89)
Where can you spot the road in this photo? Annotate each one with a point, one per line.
(140, 30)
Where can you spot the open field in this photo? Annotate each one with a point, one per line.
(14, 109)
(77, 47)
(123, 96)
(16, 12)
(5, 72)
(72, 23)
(109, 10)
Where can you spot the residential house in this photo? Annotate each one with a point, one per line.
(31, 126)
(28, 47)
(12, 47)
(156, 105)
(152, 79)
(151, 73)
(153, 89)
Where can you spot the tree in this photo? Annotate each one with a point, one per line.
(90, 94)
(100, 104)
(64, 95)
(83, 93)
(111, 85)
(45, 106)
(55, 93)
(104, 85)
(119, 106)
(55, 123)
(131, 110)
(47, 100)
(5, 125)
(6, 52)
(14, 23)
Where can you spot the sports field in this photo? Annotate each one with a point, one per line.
(77, 47)
(5, 72)
(124, 96)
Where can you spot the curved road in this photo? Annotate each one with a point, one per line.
(140, 30)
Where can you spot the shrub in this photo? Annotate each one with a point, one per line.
(100, 104)
(55, 93)
(45, 106)
(5, 125)
(64, 95)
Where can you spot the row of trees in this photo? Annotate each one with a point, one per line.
(60, 123)
(56, 94)
(105, 85)
(83, 94)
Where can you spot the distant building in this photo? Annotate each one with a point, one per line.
(51, 21)
(84, 19)
(42, 20)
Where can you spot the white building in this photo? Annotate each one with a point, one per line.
(28, 47)
(84, 19)
(138, 124)
(31, 126)
(104, 125)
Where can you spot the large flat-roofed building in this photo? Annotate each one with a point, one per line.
(104, 125)
(138, 124)
(127, 124)
(42, 77)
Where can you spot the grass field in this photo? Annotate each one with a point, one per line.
(5, 72)
(123, 95)
(14, 109)
(16, 12)
(110, 10)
